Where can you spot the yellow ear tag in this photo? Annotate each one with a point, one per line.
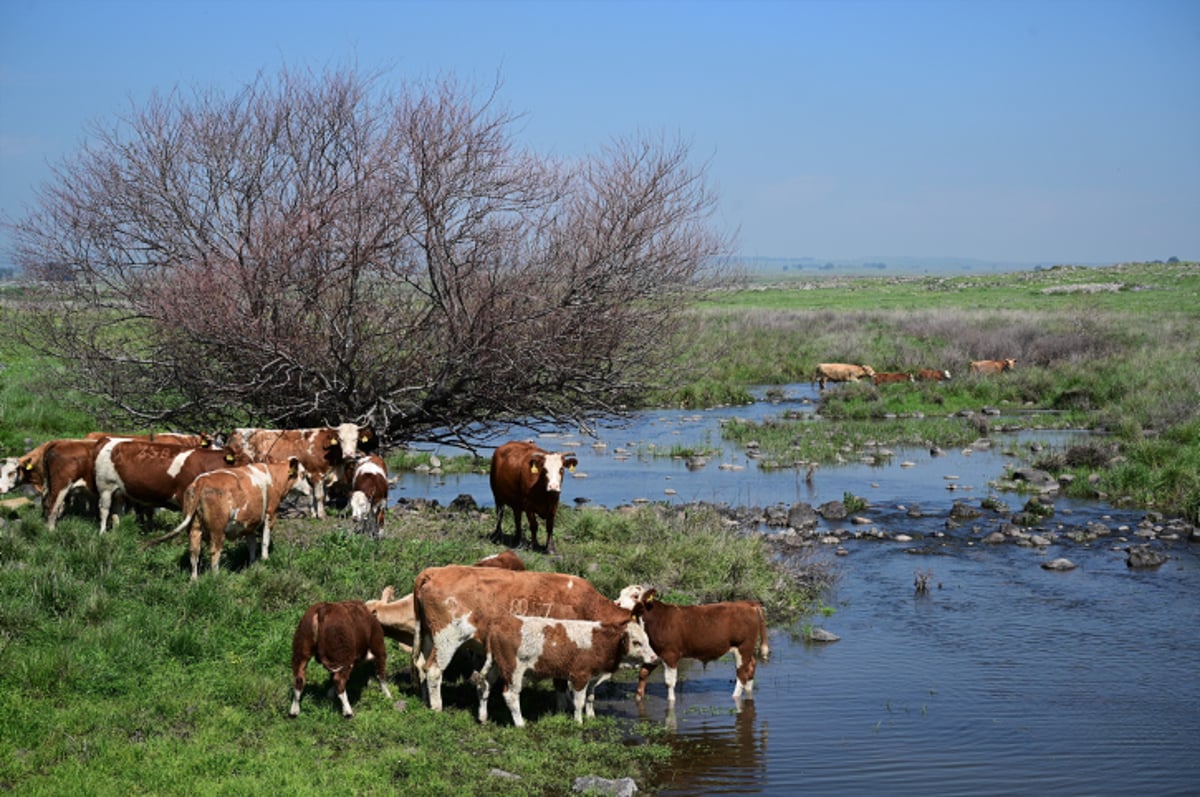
(28, 466)
(229, 458)
(533, 468)
(363, 439)
(650, 600)
(572, 469)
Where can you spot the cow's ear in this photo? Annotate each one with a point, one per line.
(571, 463)
(649, 596)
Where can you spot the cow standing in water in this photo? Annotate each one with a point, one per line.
(841, 372)
(529, 480)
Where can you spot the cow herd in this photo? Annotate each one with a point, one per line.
(849, 372)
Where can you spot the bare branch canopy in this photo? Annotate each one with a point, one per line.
(315, 249)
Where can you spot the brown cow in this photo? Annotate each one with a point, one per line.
(322, 451)
(891, 377)
(397, 617)
(529, 480)
(66, 466)
(992, 366)
(369, 493)
(704, 632)
(340, 635)
(451, 602)
(932, 375)
(153, 474)
(234, 502)
(574, 651)
(841, 372)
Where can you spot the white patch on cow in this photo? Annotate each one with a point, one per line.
(348, 439)
(554, 471)
(108, 481)
(360, 505)
(630, 596)
(177, 464)
(366, 466)
(9, 468)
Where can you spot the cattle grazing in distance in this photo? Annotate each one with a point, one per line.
(450, 601)
(576, 651)
(841, 372)
(339, 635)
(322, 451)
(992, 366)
(234, 502)
(705, 632)
(397, 616)
(529, 481)
(932, 375)
(153, 475)
(891, 377)
(369, 493)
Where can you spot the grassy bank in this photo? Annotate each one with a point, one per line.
(119, 676)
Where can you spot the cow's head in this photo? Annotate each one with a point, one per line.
(10, 474)
(640, 649)
(1009, 364)
(550, 468)
(631, 596)
(348, 440)
(868, 370)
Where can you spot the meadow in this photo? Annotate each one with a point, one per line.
(119, 676)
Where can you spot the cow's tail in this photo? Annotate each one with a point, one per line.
(173, 533)
(764, 651)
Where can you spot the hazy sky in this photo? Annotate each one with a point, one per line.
(1049, 131)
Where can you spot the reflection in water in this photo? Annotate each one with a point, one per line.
(713, 756)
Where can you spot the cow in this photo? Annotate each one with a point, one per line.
(173, 438)
(340, 635)
(322, 452)
(992, 366)
(234, 502)
(575, 651)
(529, 480)
(31, 468)
(705, 632)
(369, 493)
(397, 616)
(932, 375)
(891, 377)
(450, 603)
(67, 466)
(841, 372)
(153, 474)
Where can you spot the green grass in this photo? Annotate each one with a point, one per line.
(120, 676)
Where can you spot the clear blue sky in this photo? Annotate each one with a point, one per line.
(1049, 131)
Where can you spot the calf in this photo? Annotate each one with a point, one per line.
(932, 375)
(234, 502)
(529, 480)
(340, 635)
(841, 372)
(576, 651)
(891, 377)
(368, 498)
(704, 632)
(322, 451)
(992, 366)
(66, 466)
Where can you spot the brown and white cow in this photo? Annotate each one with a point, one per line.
(234, 502)
(932, 375)
(705, 632)
(172, 438)
(841, 372)
(574, 651)
(891, 377)
(992, 366)
(340, 635)
(397, 617)
(369, 494)
(322, 452)
(529, 480)
(153, 474)
(451, 602)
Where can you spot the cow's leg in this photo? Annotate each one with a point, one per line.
(498, 534)
(488, 675)
(643, 677)
(339, 684)
(512, 696)
(580, 696)
(194, 539)
(298, 680)
(550, 534)
(533, 528)
(215, 543)
(52, 506)
(379, 653)
(670, 675)
(266, 538)
(517, 533)
(318, 498)
(105, 507)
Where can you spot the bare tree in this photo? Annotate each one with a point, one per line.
(316, 249)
